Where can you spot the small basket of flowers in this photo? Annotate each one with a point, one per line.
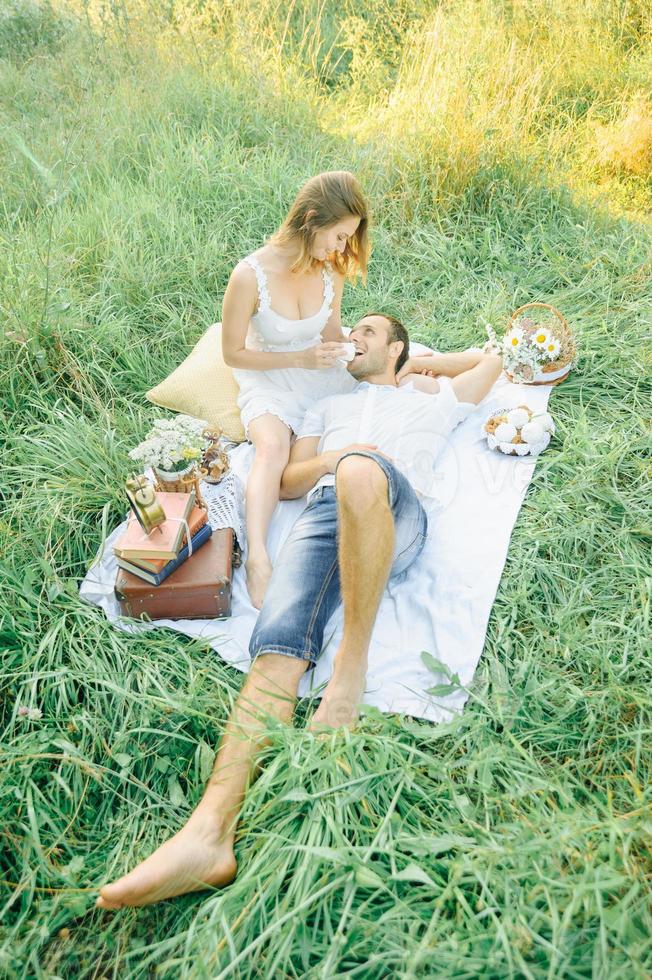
(181, 451)
(538, 347)
(518, 431)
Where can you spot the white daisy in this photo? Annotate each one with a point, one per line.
(514, 338)
(552, 348)
(541, 337)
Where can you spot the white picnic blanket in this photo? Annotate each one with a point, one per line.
(443, 604)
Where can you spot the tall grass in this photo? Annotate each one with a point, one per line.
(145, 148)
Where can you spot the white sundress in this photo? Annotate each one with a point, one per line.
(287, 393)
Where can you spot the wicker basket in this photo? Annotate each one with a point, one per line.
(184, 483)
(554, 372)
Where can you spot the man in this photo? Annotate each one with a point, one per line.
(364, 522)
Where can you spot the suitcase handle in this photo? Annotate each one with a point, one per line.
(237, 553)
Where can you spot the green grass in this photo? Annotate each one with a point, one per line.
(141, 156)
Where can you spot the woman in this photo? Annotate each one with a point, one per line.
(285, 348)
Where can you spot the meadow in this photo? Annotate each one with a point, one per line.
(506, 150)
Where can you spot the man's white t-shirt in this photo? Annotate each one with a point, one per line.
(411, 427)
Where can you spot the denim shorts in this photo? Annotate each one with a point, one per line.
(304, 589)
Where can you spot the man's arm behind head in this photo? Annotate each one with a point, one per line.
(473, 385)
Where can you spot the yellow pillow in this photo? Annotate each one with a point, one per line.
(203, 386)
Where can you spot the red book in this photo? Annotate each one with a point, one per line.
(165, 541)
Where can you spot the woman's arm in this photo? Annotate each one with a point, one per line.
(333, 329)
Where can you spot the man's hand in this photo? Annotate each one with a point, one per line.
(412, 366)
(447, 365)
(332, 458)
(306, 467)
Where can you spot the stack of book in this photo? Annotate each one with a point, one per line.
(154, 556)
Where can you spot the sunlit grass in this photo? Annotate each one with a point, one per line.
(144, 150)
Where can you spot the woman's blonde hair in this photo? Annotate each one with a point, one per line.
(321, 202)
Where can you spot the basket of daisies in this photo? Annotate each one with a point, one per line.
(538, 347)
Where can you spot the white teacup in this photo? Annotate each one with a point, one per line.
(349, 353)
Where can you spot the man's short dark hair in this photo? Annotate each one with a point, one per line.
(396, 332)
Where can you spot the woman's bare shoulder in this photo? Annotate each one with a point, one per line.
(243, 275)
(241, 291)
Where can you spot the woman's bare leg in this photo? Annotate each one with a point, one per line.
(271, 439)
(201, 855)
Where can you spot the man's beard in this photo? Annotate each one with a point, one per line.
(368, 365)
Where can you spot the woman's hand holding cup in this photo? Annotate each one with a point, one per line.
(322, 356)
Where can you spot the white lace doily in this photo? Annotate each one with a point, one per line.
(225, 502)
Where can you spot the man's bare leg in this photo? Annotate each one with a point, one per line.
(366, 550)
(201, 855)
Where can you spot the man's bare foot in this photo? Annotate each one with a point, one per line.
(259, 572)
(339, 706)
(198, 857)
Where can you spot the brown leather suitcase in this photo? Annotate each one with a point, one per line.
(200, 588)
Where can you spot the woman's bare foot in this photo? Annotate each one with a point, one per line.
(198, 857)
(339, 706)
(259, 572)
